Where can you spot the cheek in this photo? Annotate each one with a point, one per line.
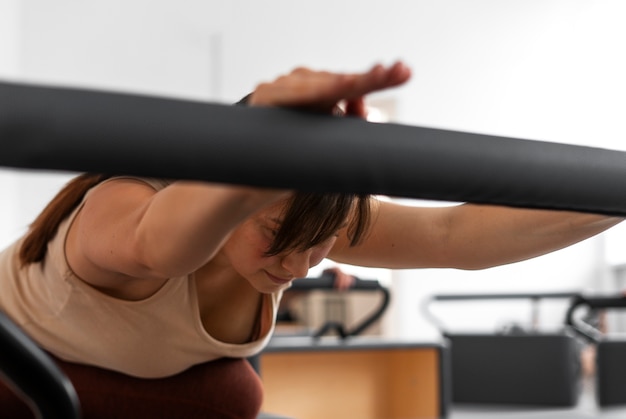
(318, 254)
(247, 245)
(258, 246)
(261, 244)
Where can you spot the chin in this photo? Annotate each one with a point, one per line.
(270, 288)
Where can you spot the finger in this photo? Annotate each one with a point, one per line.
(321, 90)
(385, 77)
(398, 73)
(356, 107)
(377, 78)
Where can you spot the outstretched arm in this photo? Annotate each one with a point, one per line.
(465, 236)
(127, 230)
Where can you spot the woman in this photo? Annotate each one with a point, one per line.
(153, 278)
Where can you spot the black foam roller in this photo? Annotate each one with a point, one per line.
(54, 128)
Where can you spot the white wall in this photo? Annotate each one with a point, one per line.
(161, 47)
(9, 38)
(538, 69)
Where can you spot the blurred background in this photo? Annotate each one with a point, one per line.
(548, 70)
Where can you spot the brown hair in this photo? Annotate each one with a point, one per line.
(312, 218)
(45, 226)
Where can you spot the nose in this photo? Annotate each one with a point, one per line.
(297, 263)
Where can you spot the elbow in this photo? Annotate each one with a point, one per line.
(474, 266)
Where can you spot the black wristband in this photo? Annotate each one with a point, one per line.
(244, 100)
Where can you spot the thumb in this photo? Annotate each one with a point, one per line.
(356, 107)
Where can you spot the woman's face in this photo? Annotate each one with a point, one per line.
(246, 248)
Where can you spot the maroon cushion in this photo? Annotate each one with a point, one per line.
(223, 389)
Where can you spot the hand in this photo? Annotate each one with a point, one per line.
(322, 91)
(343, 281)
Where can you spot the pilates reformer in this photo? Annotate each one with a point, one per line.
(325, 282)
(34, 376)
(322, 360)
(532, 368)
(520, 366)
(334, 357)
(610, 375)
(44, 128)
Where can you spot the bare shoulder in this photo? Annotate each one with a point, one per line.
(97, 240)
(122, 185)
(118, 194)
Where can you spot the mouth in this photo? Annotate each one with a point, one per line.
(278, 280)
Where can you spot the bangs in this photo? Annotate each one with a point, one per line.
(310, 219)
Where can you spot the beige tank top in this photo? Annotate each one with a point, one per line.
(155, 337)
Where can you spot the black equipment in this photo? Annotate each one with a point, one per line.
(55, 128)
(519, 367)
(610, 351)
(326, 282)
(34, 376)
